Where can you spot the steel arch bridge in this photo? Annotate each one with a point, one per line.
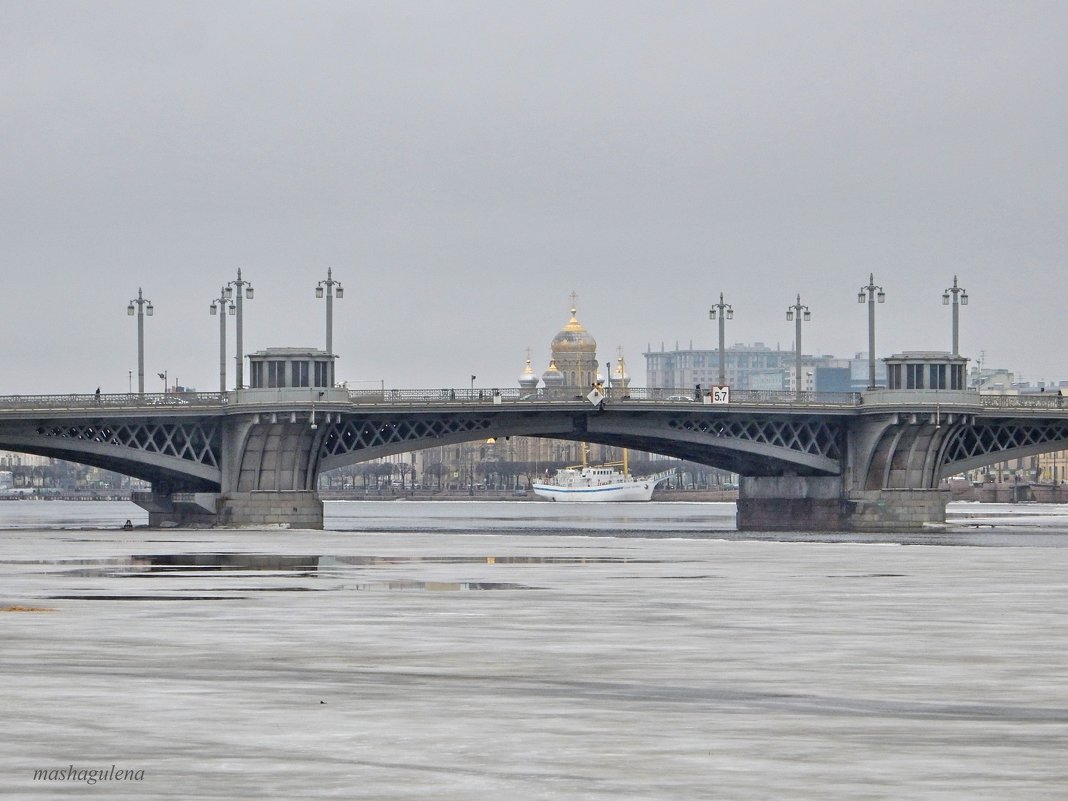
(184, 446)
(188, 454)
(251, 442)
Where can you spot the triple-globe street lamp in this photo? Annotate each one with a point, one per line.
(329, 288)
(798, 310)
(222, 304)
(960, 298)
(871, 293)
(244, 290)
(144, 306)
(723, 312)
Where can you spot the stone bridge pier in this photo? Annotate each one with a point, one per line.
(268, 473)
(891, 470)
(891, 463)
(826, 503)
(892, 466)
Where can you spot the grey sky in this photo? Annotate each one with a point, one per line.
(464, 166)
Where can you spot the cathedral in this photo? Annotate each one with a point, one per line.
(573, 365)
(571, 374)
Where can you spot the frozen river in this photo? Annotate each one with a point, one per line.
(532, 651)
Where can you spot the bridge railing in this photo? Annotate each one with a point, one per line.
(126, 400)
(612, 395)
(1043, 400)
(785, 398)
(510, 395)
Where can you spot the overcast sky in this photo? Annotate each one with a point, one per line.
(463, 166)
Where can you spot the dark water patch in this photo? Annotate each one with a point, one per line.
(263, 589)
(144, 597)
(676, 578)
(663, 578)
(441, 586)
(615, 534)
(298, 565)
(868, 575)
(952, 537)
(120, 561)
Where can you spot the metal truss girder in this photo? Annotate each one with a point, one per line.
(198, 442)
(750, 443)
(989, 441)
(811, 436)
(358, 434)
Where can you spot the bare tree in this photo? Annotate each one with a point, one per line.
(437, 469)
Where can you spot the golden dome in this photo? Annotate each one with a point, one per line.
(574, 337)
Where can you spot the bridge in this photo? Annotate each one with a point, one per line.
(867, 461)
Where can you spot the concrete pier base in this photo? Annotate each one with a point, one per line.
(288, 509)
(799, 503)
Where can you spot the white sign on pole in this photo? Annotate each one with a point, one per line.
(595, 397)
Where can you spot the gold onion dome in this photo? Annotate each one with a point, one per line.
(574, 337)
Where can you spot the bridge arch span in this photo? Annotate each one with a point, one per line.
(180, 454)
(991, 440)
(754, 444)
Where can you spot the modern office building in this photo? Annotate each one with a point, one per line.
(758, 367)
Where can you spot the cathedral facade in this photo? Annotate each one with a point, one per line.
(571, 374)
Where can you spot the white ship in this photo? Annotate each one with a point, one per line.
(602, 483)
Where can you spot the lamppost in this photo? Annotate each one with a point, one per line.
(330, 291)
(725, 313)
(960, 298)
(244, 290)
(870, 293)
(144, 306)
(163, 376)
(797, 310)
(222, 301)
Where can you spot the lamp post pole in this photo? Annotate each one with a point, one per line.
(144, 306)
(724, 312)
(798, 310)
(223, 302)
(329, 287)
(244, 289)
(871, 293)
(960, 298)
